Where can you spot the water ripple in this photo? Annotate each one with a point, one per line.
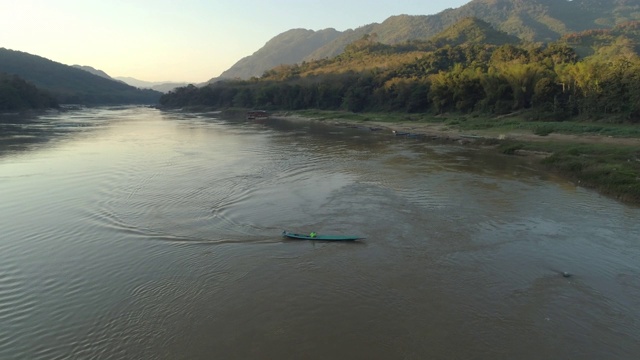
(140, 234)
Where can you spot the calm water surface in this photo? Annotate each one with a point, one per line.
(129, 233)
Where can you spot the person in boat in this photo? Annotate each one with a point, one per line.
(313, 234)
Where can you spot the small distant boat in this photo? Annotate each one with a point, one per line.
(407, 134)
(257, 115)
(314, 236)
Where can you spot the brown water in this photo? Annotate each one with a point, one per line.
(130, 233)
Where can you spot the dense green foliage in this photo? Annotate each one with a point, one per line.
(472, 30)
(613, 169)
(620, 40)
(70, 85)
(547, 80)
(547, 20)
(17, 94)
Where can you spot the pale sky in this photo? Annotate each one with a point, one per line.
(172, 40)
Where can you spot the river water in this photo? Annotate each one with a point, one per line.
(131, 233)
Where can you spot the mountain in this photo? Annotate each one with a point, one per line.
(135, 82)
(624, 39)
(469, 68)
(529, 20)
(167, 86)
(472, 31)
(93, 71)
(471, 39)
(69, 84)
(290, 47)
(161, 86)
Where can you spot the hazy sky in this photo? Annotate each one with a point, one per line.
(178, 40)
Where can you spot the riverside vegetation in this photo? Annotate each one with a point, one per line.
(471, 77)
(17, 94)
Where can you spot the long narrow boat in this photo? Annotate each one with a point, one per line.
(257, 115)
(320, 237)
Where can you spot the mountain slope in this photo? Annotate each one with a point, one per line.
(531, 20)
(71, 85)
(135, 82)
(166, 87)
(472, 31)
(161, 86)
(469, 40)
(289, 47)
(94, 71)
(624, 39)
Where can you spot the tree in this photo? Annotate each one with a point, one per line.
(243, 99)
(498, 93)
(522, 78)
(17, 94)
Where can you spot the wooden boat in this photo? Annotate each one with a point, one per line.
(407, 134)
(320, 237)
(257, 115)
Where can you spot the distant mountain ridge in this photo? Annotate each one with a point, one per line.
(69, 84)
(472, 31)
(623, 39)
(466, 39)
(288, 47)
(469, 68)
(161, 86)
(94, 71)
(528, 20)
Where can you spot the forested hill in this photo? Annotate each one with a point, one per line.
(17, 94)
(472, 31)
(529, 20)
(289, 47)
(94, 71)
(466, 75)
(71, 85)
(622, 39)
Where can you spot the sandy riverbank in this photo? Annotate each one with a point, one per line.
(437, 131)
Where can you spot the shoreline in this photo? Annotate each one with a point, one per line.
(437, 131)
(609, 165)
(429, 132)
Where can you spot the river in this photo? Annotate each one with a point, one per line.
(132, 233)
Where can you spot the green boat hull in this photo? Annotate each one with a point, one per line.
(321, 237)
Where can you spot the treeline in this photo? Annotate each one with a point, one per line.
(548, 80)
(17, 94)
